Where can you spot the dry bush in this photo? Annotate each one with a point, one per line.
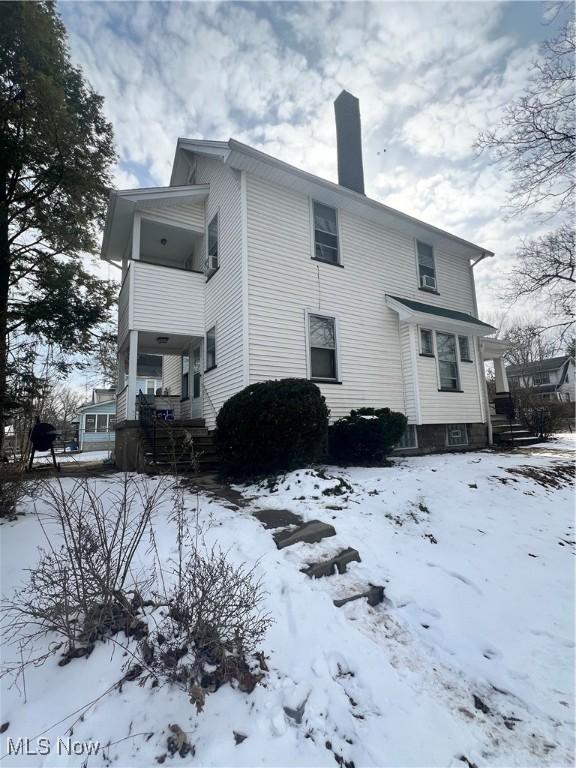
(14, 488)
(86, 589)
(542, 417)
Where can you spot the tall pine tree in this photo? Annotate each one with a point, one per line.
(56, 153)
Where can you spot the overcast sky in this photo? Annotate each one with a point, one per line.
(429, 76)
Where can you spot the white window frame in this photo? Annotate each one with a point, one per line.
(465, 359)
(412, 428)
(431, 332)
(215, 329)
(329, 316)
(337, 263)
(538, 375)
(456, 445)
(420, 286)
(208, 271)
(457, 356)
(90, 431)
(96, 431)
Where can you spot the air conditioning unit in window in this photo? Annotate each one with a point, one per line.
(426, 281)
(211, 264)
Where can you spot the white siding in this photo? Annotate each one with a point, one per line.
(224, 290)
(408, 373)
(123, 310)
(284, 281)
(183, 214)
(172, 374)
(166, 300)
(449, 407)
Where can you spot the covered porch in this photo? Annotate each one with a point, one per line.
(180, 395)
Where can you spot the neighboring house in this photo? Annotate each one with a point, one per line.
(551, 379)
(246, 268)
(97, 421)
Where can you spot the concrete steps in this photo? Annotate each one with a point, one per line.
(512, 434)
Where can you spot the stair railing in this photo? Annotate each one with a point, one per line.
(147, 420)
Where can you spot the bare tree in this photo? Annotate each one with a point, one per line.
(61, 405)
(536, 143)
(528, 344)
(546, 269)
(536, 140)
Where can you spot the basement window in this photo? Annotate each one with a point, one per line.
(408, 439)
(323, 364)
(325, 234)
(456, 434)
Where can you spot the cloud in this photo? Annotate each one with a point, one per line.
(429, 76)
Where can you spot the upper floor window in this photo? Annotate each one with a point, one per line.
(323, 364)
(325, 234)
(426, 342)
(211, 348)
(447, 361)
(515, 380)
(212, 255)
(426, 266)
(464, 345)
(540, 378)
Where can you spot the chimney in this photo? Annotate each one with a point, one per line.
(349, 142)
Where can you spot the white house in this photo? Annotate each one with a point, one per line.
(551, 379)
(246, 268)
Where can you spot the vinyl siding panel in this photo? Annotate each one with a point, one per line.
(172, 374)
(183, 214)
(167, 300)
(449, 407)
(223, 292)
(375, 362)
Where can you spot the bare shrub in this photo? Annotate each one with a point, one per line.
(213, 617)
(213, 622)
(14, 488)
(542, 417)
(87, 589)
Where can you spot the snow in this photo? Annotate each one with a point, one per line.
(478, 569)
(72, 458)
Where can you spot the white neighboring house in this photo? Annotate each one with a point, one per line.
(246, 269)
(97, 421)
(551, 379)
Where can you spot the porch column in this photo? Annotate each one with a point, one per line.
(132, 374)
(500, 374)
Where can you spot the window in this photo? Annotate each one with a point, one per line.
(153, 385)
(408, 439)
(540, 378)
(457, 434)
(322, 347)
(102, 422)
(325, 234)
(514, 380)
(185, 382)
(212, 257)
(111, 423)
(196, 374)
(464, 344)
(426, 342)
(211, 348)
(90, 422)
(426, 268)
(447, 362)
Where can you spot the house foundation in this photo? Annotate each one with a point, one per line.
(127, 453)
(433, 438)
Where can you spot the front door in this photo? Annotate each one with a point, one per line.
(197, 382)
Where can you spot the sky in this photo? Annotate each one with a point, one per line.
(429, 77)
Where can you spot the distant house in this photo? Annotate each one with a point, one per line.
(97, 421)
(551, 379)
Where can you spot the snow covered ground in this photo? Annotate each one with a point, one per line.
(469, 661)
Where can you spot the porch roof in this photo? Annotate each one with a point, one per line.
(418, 312)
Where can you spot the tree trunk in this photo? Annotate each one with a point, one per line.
(4, 287)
